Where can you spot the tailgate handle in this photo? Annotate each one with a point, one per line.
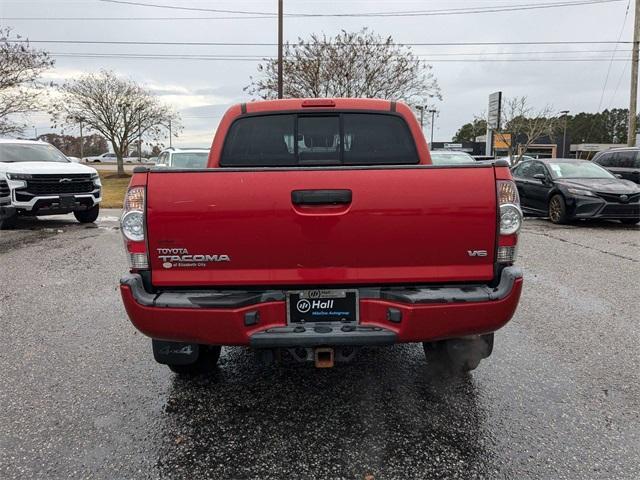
(321, 197)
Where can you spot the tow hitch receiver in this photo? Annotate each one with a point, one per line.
(323, 357)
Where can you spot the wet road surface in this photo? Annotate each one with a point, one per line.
(81, 396)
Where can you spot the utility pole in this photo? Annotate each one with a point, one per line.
(633, 101)
(433, 120)
(81, 142)
(170, 135)
(280, 41)
(564, 136)
(139, 138)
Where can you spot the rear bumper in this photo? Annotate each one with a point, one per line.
(258, 318)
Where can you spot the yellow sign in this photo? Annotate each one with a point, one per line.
(501, 140)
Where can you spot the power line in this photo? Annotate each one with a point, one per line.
(606, 78)
(431, 54)
(409, 13)
(259, 59)
(137, 19)
(255, 44)
(615, 92)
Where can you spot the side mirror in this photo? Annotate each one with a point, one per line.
(617, 175)
(540, 176)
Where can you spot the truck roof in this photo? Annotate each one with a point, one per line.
(317, 103)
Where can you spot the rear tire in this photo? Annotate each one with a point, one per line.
(630, 221)
(459, 355)
(206, 362)
(87, 216)
(558, 210)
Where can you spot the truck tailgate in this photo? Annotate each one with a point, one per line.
(225, 227)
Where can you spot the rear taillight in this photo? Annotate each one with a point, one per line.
(132, 225)
(510, 221)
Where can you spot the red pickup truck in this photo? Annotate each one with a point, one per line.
(321, 226)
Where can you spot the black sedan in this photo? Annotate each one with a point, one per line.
(567, 189)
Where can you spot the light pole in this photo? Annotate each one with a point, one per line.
(139, 137)
(564, 136)
(433, 119)
(421, 108)
(280, 41)
(81, 142)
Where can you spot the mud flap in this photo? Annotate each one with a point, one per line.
(175, 353)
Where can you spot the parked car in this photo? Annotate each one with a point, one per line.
(37, 179)
(511, 160)
(450, 157)
(568, 189)
(622, 162)
(104, 158)
(183, 158)
(318, 227)
(111, 158)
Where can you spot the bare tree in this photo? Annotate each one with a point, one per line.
(523, 125)
(119, 109)
(357, 64)
(20, 92)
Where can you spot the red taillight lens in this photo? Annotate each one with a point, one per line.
(132, 225)
(510, 221)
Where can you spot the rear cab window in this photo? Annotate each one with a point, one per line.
(318, 139)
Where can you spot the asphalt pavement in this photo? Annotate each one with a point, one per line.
(81, 396)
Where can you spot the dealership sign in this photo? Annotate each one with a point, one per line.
(495, 111)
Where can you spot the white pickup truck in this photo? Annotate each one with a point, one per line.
(37, 179)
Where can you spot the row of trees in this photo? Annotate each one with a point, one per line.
(608, 126)
(118, 109)
(523, 125)
(93, 144)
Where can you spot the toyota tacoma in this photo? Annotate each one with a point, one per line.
(318, 227)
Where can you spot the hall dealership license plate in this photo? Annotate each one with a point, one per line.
(322, 306)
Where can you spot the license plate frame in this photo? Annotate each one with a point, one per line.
(67, 201)
(345, 308)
